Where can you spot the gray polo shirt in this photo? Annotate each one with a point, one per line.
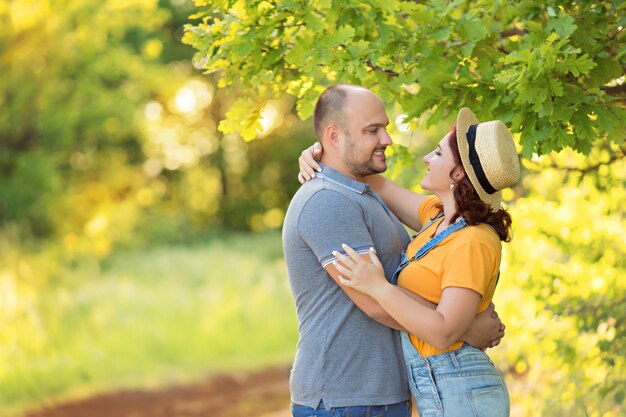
(343, 357)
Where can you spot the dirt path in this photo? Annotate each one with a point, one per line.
(261, 394)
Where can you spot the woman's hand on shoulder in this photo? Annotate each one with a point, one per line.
(308, 162)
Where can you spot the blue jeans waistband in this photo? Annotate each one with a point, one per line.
(452, 360)
(402, 409)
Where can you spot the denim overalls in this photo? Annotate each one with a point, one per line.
(460, 383)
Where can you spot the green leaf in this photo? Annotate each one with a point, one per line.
(606, 70)
(300, 51)
(243, 117)
(556, 87)
(549, 72)
(576, 66)
(583, 126)
(563, 25)
(244, 48)
(342, 35)
(314, 23)
(442, 33)
(356, 49)
(471, 30)
(306, 103)
(323, 4)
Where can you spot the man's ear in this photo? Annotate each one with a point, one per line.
(332, 135)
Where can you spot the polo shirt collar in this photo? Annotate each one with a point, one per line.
(342, 180)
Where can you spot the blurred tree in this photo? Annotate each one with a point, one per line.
(73, 76)
(562, 287)
(553, 71)
(107, 135)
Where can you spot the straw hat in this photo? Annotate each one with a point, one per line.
(488, 155)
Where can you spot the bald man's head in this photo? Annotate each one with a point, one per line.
(330, 108)
(351, 122)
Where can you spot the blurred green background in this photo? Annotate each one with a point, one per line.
(140, 245)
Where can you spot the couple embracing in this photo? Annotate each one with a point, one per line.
(382, 316)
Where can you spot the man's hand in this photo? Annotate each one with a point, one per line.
(486, 331)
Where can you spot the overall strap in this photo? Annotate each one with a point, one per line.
(440, 215)
(432, 243)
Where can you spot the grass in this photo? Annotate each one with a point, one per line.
(143, 318)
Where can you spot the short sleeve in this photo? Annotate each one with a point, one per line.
(428, 210)
(472, 265)
(329, 219)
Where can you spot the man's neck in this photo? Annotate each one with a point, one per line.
(341, 168)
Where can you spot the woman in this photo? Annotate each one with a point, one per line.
(453, 262)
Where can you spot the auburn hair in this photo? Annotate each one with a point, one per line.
(468, 202)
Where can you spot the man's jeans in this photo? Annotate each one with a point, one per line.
(402, 409)
(462, 382)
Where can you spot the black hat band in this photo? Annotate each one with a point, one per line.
(475, 161)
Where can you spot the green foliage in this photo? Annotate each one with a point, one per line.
(111, 139)
(258, 199)
(562, 288)
(74, 76)
(166, 314)
(551, 70)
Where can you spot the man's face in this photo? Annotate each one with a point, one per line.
(365, 137)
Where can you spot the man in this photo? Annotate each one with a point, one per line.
(349, 356)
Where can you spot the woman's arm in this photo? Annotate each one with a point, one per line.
(402, 202)
(485, 331)
(440, 327)
(370, 306)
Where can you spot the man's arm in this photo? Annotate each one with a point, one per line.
(369, 306)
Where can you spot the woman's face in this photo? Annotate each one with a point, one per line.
(440, 163)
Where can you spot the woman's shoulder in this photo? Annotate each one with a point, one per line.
(429, 209)
(479, 234)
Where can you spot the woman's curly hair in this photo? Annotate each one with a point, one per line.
(470, 206)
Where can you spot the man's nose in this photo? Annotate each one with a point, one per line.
(386, 139)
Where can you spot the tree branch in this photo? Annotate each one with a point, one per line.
(615, 90)
(380, 69)
(590, 168)
(390, 73)
(591, 308)
(513, 32)
(615, 157)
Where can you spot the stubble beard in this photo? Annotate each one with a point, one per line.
(361, 168)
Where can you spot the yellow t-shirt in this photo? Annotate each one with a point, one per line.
(467, 258)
